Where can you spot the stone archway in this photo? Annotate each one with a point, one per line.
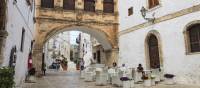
(108, 42)
(103, 26)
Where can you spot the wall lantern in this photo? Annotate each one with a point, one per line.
(143, 13)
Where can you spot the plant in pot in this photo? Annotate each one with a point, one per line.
(147, 80)
(31, 73)
(153, 77)
(125, 82)
(64, 63)
(7, 77)
(169, 79)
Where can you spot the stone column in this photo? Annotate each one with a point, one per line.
(99, 5)
(37, 59)
(79, 4)
(3, 35)
(112, 56)
(115, 6)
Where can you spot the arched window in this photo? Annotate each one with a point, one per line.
(153, 3)
(69, 4)
(89, 5)
(108, 6)
(194, 37)
(47, 3)
(153, 51)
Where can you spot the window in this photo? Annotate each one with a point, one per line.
(153, 3)
(22, 40)
(2, 14)
(108, 6)
(69, 4)
(130, 11)
(89, 5)
(47, 3)
(194, 38)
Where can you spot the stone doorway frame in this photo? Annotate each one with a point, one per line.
(157, 34)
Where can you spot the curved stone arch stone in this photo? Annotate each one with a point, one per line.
(100, 35)
(186, 37)
(157, 34)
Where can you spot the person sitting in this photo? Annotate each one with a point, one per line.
(139, 73)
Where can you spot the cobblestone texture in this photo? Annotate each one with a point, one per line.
(71, 80)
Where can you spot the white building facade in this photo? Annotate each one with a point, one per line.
(171, 41)
(59, 45)
(85, 48)
(20, 28)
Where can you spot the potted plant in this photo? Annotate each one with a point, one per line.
(7, 77)
(147, 80)
(153, 77)
(125, 82)
(31, 73)
(64, 64)
(169, 79)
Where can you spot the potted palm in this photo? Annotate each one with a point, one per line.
(169, 79)
(64, 64)
(147, 80)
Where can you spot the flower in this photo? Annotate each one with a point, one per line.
(169, 75)
(145, 77)
(124, 79)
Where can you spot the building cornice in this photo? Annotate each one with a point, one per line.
(75, 21)
(167, 17)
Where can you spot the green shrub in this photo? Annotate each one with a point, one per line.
(7, 77)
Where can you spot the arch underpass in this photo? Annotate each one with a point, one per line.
(51, 21)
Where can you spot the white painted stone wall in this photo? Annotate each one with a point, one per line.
(20, 16)
(87, 54)
(132, 47)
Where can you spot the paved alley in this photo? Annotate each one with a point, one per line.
(71, 79)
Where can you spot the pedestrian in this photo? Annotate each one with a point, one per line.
(139, 73)
(82, 64)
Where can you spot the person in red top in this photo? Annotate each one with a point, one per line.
(30, 62)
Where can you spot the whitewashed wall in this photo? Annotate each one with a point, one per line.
(19, 16)
(132, 50)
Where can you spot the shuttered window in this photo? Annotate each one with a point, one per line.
(47, 3)
(153, 3)
(108, 6)
(194, 36)
(89, 5)
(69, 4)
(153, 51)
(2, 13)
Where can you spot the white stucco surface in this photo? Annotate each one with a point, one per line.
(175, 60)
(19, 16)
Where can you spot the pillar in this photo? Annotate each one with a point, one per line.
(3, 35)
(112, 56)
(99, 5)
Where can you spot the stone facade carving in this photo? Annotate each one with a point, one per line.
(50, 21)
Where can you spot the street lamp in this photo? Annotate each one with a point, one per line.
(143, 13)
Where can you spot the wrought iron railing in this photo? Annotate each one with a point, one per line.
(2, 14)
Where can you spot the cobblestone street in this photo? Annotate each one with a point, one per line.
(71, 80)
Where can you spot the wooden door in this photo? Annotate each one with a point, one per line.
(154, 52)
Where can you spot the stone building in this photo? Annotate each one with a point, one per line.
(17, 32)
(98, 18)
(166, 34)
(85, 48)
(58, 45)
(98, 52)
